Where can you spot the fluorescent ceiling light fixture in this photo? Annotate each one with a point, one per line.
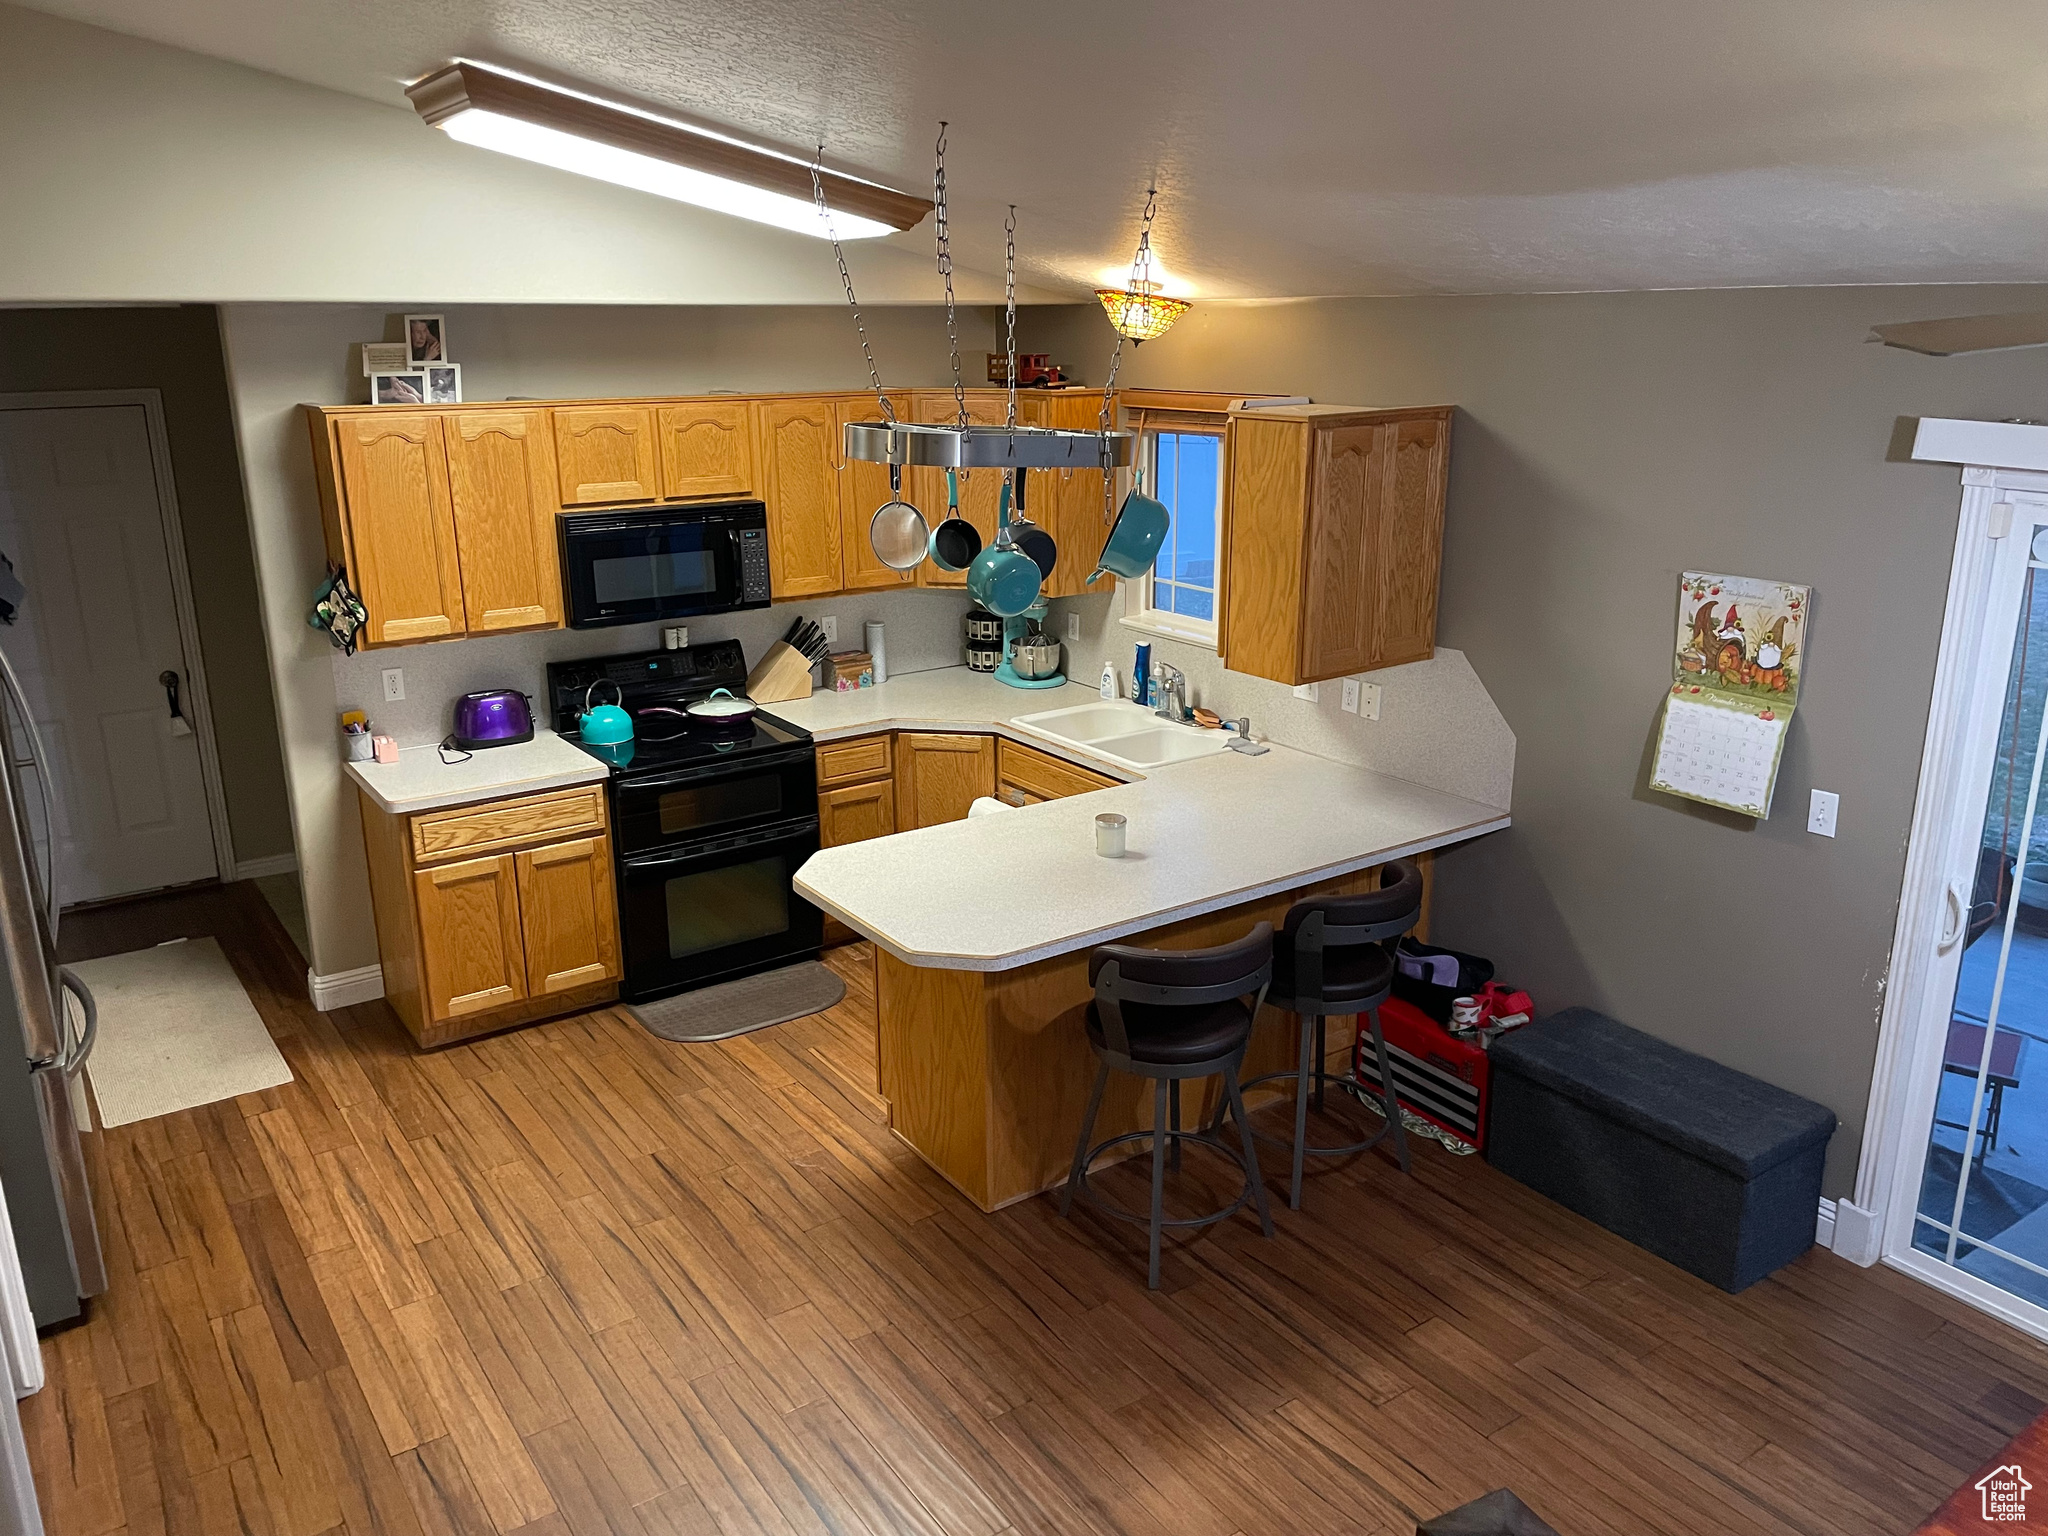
(573, 131)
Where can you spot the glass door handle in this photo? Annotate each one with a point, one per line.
(1958, 920)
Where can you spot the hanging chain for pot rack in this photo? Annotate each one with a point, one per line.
(1141, 272)
(846, 277)
(1010, 308)
(960, 445)
(943, 230)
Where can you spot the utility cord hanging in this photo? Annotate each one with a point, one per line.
(846, 277)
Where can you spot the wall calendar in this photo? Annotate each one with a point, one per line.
(1734, 685)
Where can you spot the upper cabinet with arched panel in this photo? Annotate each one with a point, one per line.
(607, 453)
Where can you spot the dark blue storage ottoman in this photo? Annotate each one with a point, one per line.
(1702, 1165)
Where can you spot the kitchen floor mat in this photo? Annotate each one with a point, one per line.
(738, 1007)
(176, 1030)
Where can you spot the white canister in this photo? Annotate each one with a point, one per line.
(1109, 835)
(872, 631)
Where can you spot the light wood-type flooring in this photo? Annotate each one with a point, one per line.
(573, 1279)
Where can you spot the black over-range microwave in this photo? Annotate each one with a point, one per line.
(634, 565)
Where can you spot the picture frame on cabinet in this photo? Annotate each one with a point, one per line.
(426, 340)
(444, 384)
(406, 388)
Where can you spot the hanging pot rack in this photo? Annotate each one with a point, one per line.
(960, 444)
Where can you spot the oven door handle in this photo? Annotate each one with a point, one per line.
(786, 832)
(747, 767)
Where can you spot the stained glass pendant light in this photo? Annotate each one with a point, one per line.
(1138, 310)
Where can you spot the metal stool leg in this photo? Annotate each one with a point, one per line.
(1173, 1121)
(1322, 1058)
(1309, 1031)
(1159, 1140)
(1081, 1146)
(1387, 1095)
(1251, 1153)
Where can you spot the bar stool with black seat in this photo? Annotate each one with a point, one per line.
(1335, 956)
(1172, 1015)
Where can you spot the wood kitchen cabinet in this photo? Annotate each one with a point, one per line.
(501, 480)
(398, 540)
(1025, 776)
(864, 487)
(856, 813)
(939, 776)
(607, 453)
(1332, 539)
(706, 448)
(798, 441)
(495, 914)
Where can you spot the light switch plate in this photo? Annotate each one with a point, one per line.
(1310, 691)
(1369, 701)
(1074, 626)
(394, 684)
(1350, 695)
(1820, 817)
(830, 625)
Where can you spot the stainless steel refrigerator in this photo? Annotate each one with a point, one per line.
(43, 1043)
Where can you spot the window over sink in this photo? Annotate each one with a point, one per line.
(1183, 468)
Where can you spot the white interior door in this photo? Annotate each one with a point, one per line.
(81, 519)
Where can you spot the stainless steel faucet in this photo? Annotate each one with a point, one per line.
(1173, 692)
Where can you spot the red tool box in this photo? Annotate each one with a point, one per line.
(1440, 1078)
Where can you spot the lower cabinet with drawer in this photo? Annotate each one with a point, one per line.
(495, 914)
(1025, 776)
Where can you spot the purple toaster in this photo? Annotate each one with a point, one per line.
(497, 717)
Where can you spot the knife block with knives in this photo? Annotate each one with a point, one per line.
(784, 670)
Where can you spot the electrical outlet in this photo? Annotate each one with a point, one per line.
(394, 684)
(1820, 817)
(1074, 628)
(1369, 701)
(1310, 691)
(1350, 695)
(830, 625)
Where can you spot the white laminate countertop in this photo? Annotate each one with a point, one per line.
(420, 781)
(1001, 891)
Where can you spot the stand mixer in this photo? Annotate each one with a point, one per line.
(1031, 620)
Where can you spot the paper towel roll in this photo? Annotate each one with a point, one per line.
(879, 662)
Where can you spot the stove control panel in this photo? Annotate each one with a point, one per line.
(644, 677)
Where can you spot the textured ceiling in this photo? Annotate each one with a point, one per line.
(1338, 148)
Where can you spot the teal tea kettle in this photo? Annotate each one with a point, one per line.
(606, 726)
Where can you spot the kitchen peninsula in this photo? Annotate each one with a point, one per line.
(982, 927)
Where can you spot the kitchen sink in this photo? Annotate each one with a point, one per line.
(1126, 734)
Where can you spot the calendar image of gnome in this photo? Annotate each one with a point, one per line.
(1740, 634)
(1734, 684)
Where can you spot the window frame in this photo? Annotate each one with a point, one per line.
(1139, 612)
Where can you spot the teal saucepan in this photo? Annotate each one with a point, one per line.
(1134, 538)
(1002, 578)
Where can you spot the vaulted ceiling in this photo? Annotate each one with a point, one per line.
(1331, 148)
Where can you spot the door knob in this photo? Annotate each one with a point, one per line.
(180, 726)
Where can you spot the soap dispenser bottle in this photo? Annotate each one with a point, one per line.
(1109, 679)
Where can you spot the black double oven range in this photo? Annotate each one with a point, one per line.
(710, 821)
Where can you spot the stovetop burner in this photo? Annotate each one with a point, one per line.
(653, 687)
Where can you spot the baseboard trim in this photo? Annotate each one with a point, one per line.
(274, 864)
(1824, 1231)
(1854, 1233)
(343, 989)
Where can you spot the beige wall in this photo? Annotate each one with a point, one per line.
(283, 354)
(176, 351)
(1603, 444)
(136, 171)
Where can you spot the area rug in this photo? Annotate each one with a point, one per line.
(739, 1007)
(1997, 1496)
(176, 1031)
